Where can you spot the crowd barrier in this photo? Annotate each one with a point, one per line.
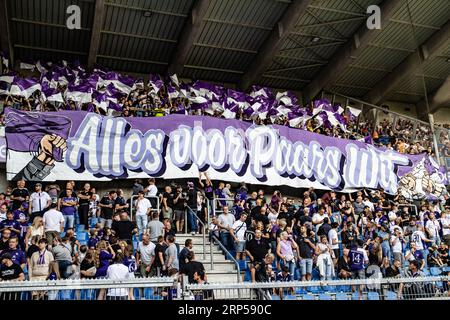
(416, 288)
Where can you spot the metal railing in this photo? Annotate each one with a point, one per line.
(215, 210)
(133, 200)
(366, 289)
(228, 254)
(203, 233)
(92, 289)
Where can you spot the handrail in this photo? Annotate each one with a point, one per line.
(219, 199)
(232, 258)
(149, 197)
(203, 233)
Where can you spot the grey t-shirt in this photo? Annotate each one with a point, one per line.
(359, 207)
(156, 229)
(172, 252)
(61, 253)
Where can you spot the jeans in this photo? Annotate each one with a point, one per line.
(386, 248)
(306, 266)
(226, 240)
(77, 218)
(63, 266)
(106, 222)
(141, 221)
(290, 265)
(192, 220)
(69, 220)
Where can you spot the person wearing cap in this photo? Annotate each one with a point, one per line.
(39, 202)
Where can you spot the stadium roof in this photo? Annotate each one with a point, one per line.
(304, 45)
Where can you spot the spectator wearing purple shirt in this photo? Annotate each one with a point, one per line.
(17, 255)
(68, 208)
(11, 224)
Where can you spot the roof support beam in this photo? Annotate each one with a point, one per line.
(5, 34)
(99, 16)
(437, 100)
(189, 36)
(272, 45)
(349, 52)
(431, 48)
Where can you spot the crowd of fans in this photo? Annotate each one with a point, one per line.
(164, 96)
(315, 235)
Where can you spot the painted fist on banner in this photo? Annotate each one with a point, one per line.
(48, 145)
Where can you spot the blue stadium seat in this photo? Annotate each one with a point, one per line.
(137, 294)
(93, 222)
(148, 293)
(355, 296)
(314, 289)
(426, 272)
(300, 290)
(82, 236)
(88, 294)
(342, 296)
(308, 297)
(390, 295)
(66, 295)
(79, 228)
(435, 271)
(289, 297)
(324, 296)
(275, 297)
(446, 269)
(242, 265)
(373, 296)
(247, 276)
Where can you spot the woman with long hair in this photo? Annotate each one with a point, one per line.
(285, 252)
(104, 255)
(36, 229)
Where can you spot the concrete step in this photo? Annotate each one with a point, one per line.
(219, 265)
(220, 276)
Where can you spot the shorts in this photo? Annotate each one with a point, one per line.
(306, 266)
(239, 246)
(359, 274)
(447, 239)
(179, 215)
(167, 214)
(50, 235)
(106, 222)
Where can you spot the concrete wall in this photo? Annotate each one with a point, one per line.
(442, 116)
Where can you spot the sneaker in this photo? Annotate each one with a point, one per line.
(193, 233)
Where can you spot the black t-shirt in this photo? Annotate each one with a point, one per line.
(304, 248)
(32, 249)
(86, 265)
(159, 248)
(123, 229)
(304, 219)
(107, 213)
(258, 248)
(287, 216)
(10, 273)
(260, 272)
(84, 201)
(192, 198)
(191, 268)
(179, 205)
(168, 233)
(251, 203)
(19, 193)
(169, 197)
(4, 245)
(343, 265)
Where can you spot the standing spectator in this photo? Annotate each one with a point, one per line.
(179, 202)
(53, 223)
(103, 255)
(226, 221)
(238, 230)
(145, 256)
(256, 249)
(155, 227)
(151, 191)
(418, 238)
(324, 259)
(120, 204)
(191, 203)
(349, 235)
(10, 271)
(39, 262)
(19, 195)
(183, 255)
(107, 209)
(192, 267)
(63, 257)
(143, 208)
(68, 207)
(137, 187)
(84, 197)
(168, 230)
(159, 263)
(207, 188)
(39, 202)
(306, 248)
(118, 271)
(171, 255)
(285, 251)
(413, 254)
(396, 242)
(124, 228)
(53, 190)
(445, 222)
(333, 240)
(433, 228)
(167, 203)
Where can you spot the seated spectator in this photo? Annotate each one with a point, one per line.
(415, 255)
(17, 255)
(4, 241)
(11, 224)
(10, 271)
(343, 267)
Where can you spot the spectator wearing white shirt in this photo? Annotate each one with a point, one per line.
(39, 202)
(333, 240)
(226, 221)
(151, 191)
(118, 271)
(53, 223)
(397, 244)
(145, 256)
(143, 207)
(317, 218)
(238, 233)
(445, 222)
(418, 238)
(433, 227)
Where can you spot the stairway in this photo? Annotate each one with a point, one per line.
(223, 270)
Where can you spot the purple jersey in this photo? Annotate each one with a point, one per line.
(18, 256)
(92, 242)
(11, 223)
(356, 258)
